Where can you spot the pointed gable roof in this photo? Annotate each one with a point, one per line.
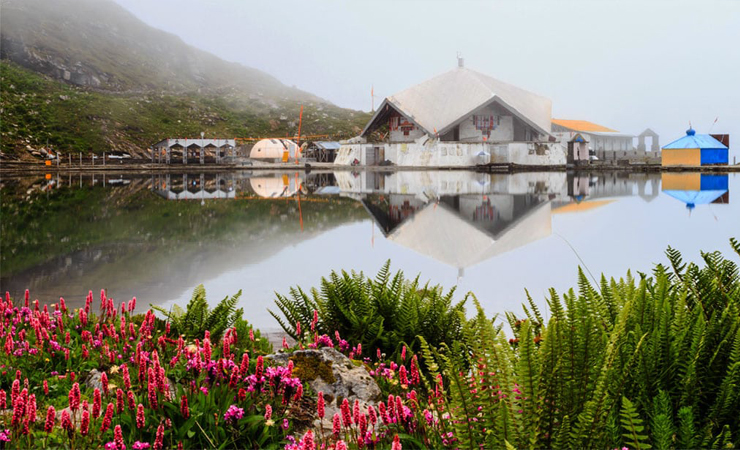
(441, 102)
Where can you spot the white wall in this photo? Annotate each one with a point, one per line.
(525, 153)
(503, 133)
(434, 153)
(398, 136)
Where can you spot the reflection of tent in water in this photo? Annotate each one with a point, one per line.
(464, 230)
(273, 187)
(697, 188)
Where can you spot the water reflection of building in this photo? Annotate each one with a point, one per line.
(457, 218)
(209, 186)
(464, 218)
(275, 187)
(194, 187)
(590, 191)
(697, 188)
(463, 230)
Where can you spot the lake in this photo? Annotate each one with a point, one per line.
(157, 237)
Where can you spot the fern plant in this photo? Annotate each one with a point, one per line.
(196, 318)
(381, 313)
(670, 341)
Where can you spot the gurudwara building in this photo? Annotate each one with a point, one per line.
(459, 118)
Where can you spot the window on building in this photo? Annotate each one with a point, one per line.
(486, 124)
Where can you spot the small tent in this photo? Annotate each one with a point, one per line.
(275, 149)
(695, 150)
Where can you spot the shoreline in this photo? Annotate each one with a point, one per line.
(13, 167)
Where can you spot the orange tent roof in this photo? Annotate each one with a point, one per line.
(582, 125)
(580, 207)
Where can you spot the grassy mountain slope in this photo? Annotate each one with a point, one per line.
(87, 75)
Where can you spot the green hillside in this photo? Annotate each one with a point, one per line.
(87, 75)
(37, 111)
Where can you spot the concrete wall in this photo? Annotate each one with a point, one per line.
(434, 153)
(398, 136)
(529, 153)
(606, 155)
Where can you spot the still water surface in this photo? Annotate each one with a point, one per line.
(157, 237)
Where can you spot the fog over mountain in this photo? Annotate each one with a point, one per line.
(125, 85)
(625, 64)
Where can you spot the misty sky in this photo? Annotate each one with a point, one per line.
(626, 65)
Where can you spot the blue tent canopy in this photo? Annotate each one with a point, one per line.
(711, 187)
(693, 140)
(693, 198)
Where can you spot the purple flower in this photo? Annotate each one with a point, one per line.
(141, 445)
(233, 414)
(5, 436)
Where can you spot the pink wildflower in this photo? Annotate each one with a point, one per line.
(140, 419)
(107, 418)
(66, 421)
(51, 415)
(396, 443)
(85, 422)
(320, 405)
(336, 425)
(118, 437)
(307, 441)
(97, 403)
(184, 409)
(159, 439)
(346, 414)
(104, 382)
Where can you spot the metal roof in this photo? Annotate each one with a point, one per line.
(439, 103)
(582, 125)
(693, 140)
(328, 145)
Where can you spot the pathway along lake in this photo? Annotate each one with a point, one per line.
(157, 237)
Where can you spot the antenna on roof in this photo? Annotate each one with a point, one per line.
(710, 128)
(460, 60)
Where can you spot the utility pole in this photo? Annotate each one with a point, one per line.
(202, 147)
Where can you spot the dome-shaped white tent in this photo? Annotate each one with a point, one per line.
(275, 149)
(273, 187)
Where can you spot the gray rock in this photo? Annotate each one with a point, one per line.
(351, 381)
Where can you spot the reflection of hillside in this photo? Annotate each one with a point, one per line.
(129, 239)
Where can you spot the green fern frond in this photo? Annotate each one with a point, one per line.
(632, 425)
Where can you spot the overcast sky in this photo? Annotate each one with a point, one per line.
(626, 65)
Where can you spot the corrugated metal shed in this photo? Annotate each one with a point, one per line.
(439, 103)
(693, 140)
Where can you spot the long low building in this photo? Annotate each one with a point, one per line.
(188, 148)
(599, 137)
(459, 118)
